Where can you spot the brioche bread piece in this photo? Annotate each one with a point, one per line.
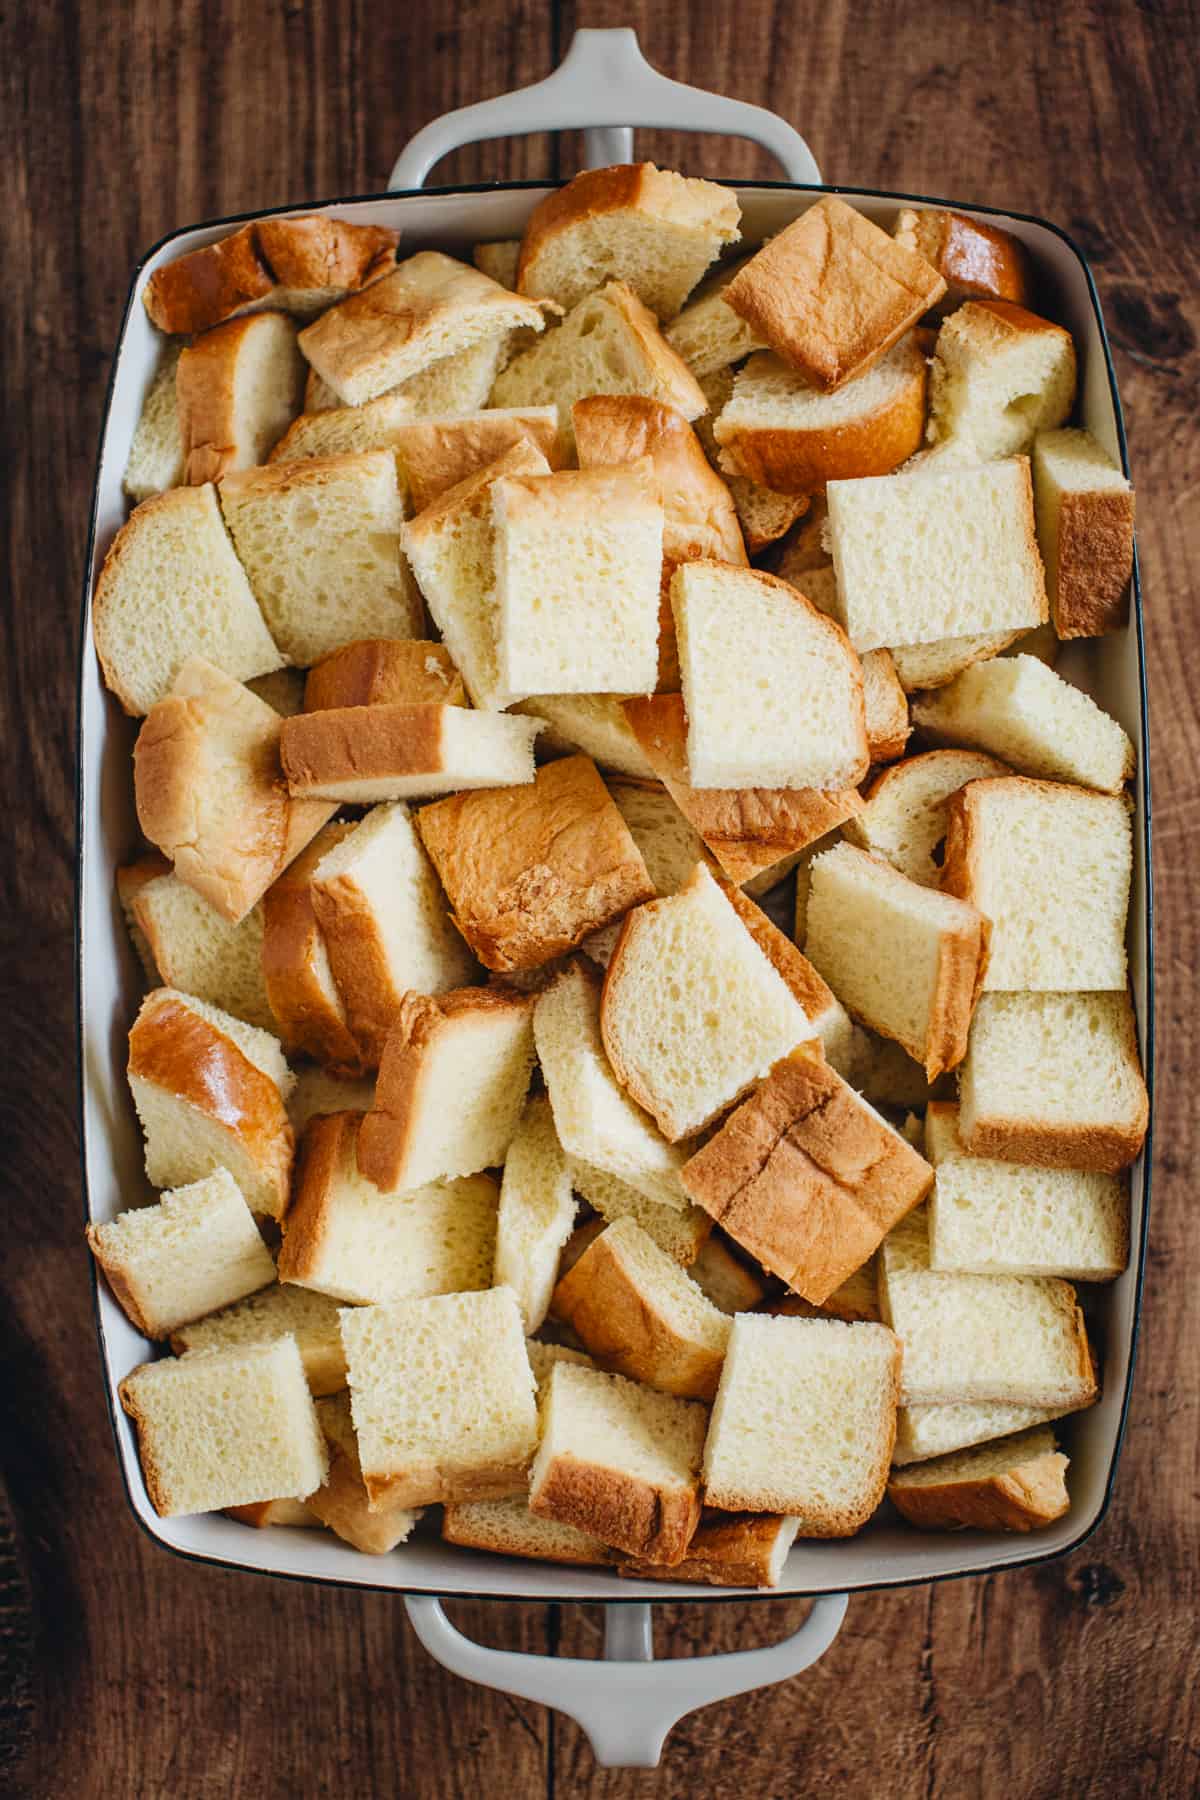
(320, 541)
(806, 1176)
(649, 227)
(620, 1462)
(531, 870)
(929, 953)
(194, 949)
(804, 1421)
(884, 702)
(451, 1087)
(429, 307)
(832, 293)
(750, 831)
(1085, 531)
(272, 1313)
(342, 1237)
(442, 1398)
(830, 1022)
(999, 375)
(1018, 1484)
(194, 1251)
(225, 1429)
(210, 793)
(596, 1121)
(345, 430)
(999, 1218)
(727, 1550)
(543, 1357)
(578, 561)
(384, 672)
(436, 454)
(976, 261)
(1020, 710)
(385, 924)
(803, 869)
(923, 1432)
(508, 1528)
(782, 432)
(537, 1212)
(707, 333)
(724, 1279)
(210, 1092)
(342, 1502)
(1050, 866)
(856, 1300)
(156, 453)
(131, 879)
(699, 519)
(764, 516)
(317, 1091)
(499, 260)
(670, 847)
(309, 1013)
(934, 665)
(451, 546)
(459, 383)
(904, 820)
(773, 692)
(608, 344)
(965, 521)
(678, 1228)
(639, 1314)
(171, 588)
(693, 1011)
(264, 1513)
(238, 388)
(359, 755)
(1054, 1080)
(299, 265)
(974, 1338)
(593, 723)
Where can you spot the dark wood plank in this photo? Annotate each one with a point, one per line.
(154, 1677)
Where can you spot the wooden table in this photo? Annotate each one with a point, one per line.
(126, 1673)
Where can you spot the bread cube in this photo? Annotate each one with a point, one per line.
(727, 1550)
(924, 1432)
(272, 1313)
(725, 1279)
(999, 375)
(904, 820)
(342, 1502)
(977, 261)
(193, 948)
(537, 1212)
(508, 1528)
(309, 1013)
(384, 672)
(238, 389)
(360, 755)
(1018, 1484)
(156, 453)
(1085, 530)
(678, 1228)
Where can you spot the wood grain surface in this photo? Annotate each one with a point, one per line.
(125, 1673)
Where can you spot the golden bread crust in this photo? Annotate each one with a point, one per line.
(384, 672)
(291, 944)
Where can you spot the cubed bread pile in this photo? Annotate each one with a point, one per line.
(515, 1162)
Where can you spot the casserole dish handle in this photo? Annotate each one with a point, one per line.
(605, 87)
(624, 1708)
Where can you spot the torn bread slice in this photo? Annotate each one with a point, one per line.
(592, 723)
(228, 1428)
(620, 1462)
(442, 1397)
(384, 672)
(977, 261)
(782, 432)
(359, 755)
(1018, 1484)
(171, 587)
(197, 951)
(1002, 1218)
(275, 1312)
(773, 691)
(678, 1228)
(156, 453)
(1013, 1338)
(639, 1314)
(693, 1011)
(531, 870)
(806, 1176)
(342, 1502)
(508, 1528)
(727, 1550)
(649, 227)
(750, 831)
(578, 564)
(451, 547)
(385, 922)
(1021, 711)
(904, 820)
(1054, 1080)
(929, 953)
(999, 375)
(707, 333)
(451, 1087)
(342, 1237)
(804, 1421)
(238, 388)
(210, 792)
(596, 1121)
(429, 307)
(345, 430)
(832, 293)
(1085, 530)
(308, 1008)
(210, 1092)
(1050, 866)
(437, 454)
(537, 1212)
(197, 1249)
(320, 542)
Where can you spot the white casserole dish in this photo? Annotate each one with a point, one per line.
(604, 78)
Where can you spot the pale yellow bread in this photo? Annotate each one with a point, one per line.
(405, 750)
(1000, 374)
(537, 1212)
(1017, 1484)
(191, 947)
(904, 820)
(342, 1502)
(1085, 530)
(274, 1312)
(156, 453)
(307, 1006)
(727, 1550)
(238, 388)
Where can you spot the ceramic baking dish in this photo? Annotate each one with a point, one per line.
(606, 85)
